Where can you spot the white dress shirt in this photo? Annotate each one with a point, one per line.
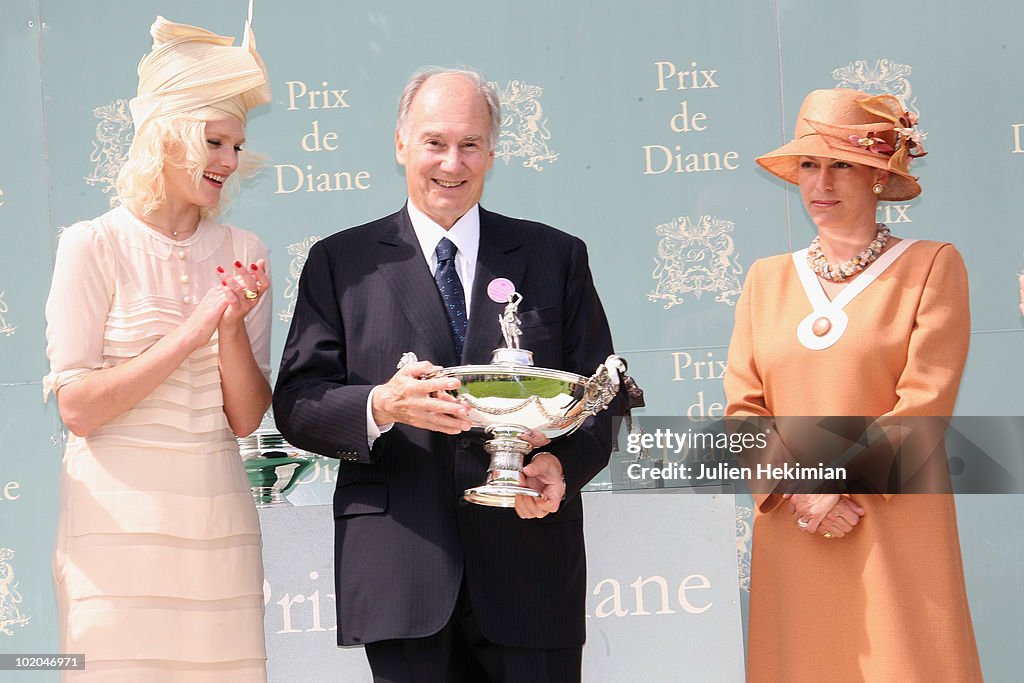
(465, 234)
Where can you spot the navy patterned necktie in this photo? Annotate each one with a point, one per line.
(450, 286)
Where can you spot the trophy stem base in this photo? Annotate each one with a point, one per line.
(498, 495)
(507, 452)
(267, 497)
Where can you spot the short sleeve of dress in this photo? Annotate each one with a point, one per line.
(78, 305)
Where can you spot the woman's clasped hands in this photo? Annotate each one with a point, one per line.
(243, 289)
(226, 305)
(830, 515)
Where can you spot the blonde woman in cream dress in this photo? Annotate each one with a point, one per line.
(158, 333)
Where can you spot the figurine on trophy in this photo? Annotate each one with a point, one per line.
(509, 323)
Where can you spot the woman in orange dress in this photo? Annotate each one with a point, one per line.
(158, 335)
(850, 586)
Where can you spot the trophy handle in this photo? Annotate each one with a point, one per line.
(603, 385)
(410, 357)
(407, 358)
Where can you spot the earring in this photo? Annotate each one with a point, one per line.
(877, 188)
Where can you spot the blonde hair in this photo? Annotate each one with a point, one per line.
(179, 140)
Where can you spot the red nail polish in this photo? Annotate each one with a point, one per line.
(238, 264)
(219, 269)
(224, 282)
(253, 266)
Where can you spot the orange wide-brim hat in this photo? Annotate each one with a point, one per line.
(853, 126)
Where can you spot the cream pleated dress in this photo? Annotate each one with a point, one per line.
(157, 565)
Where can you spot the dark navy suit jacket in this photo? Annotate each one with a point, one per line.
(403, 537)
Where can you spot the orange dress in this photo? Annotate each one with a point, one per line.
(887, 602)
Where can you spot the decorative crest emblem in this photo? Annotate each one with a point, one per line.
(10, 598)
(744, 538)
(114, 134)
(884, 77)
(5, 327)
(694, 258)
(524, 127)
(299, 252)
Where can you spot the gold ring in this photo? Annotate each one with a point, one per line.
(249, 294)
(827, 534)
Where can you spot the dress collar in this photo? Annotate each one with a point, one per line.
(200, 245)
(827, 321)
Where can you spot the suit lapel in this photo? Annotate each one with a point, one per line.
(500, 255)
(402, 264)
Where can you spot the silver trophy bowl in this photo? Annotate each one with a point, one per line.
(510, 397)
(507, 400)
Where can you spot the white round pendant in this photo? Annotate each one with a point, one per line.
(822, 328)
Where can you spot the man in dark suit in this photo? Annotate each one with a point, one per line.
(438, 589)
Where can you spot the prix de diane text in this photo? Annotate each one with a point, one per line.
(327, 102)
(692, 82)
